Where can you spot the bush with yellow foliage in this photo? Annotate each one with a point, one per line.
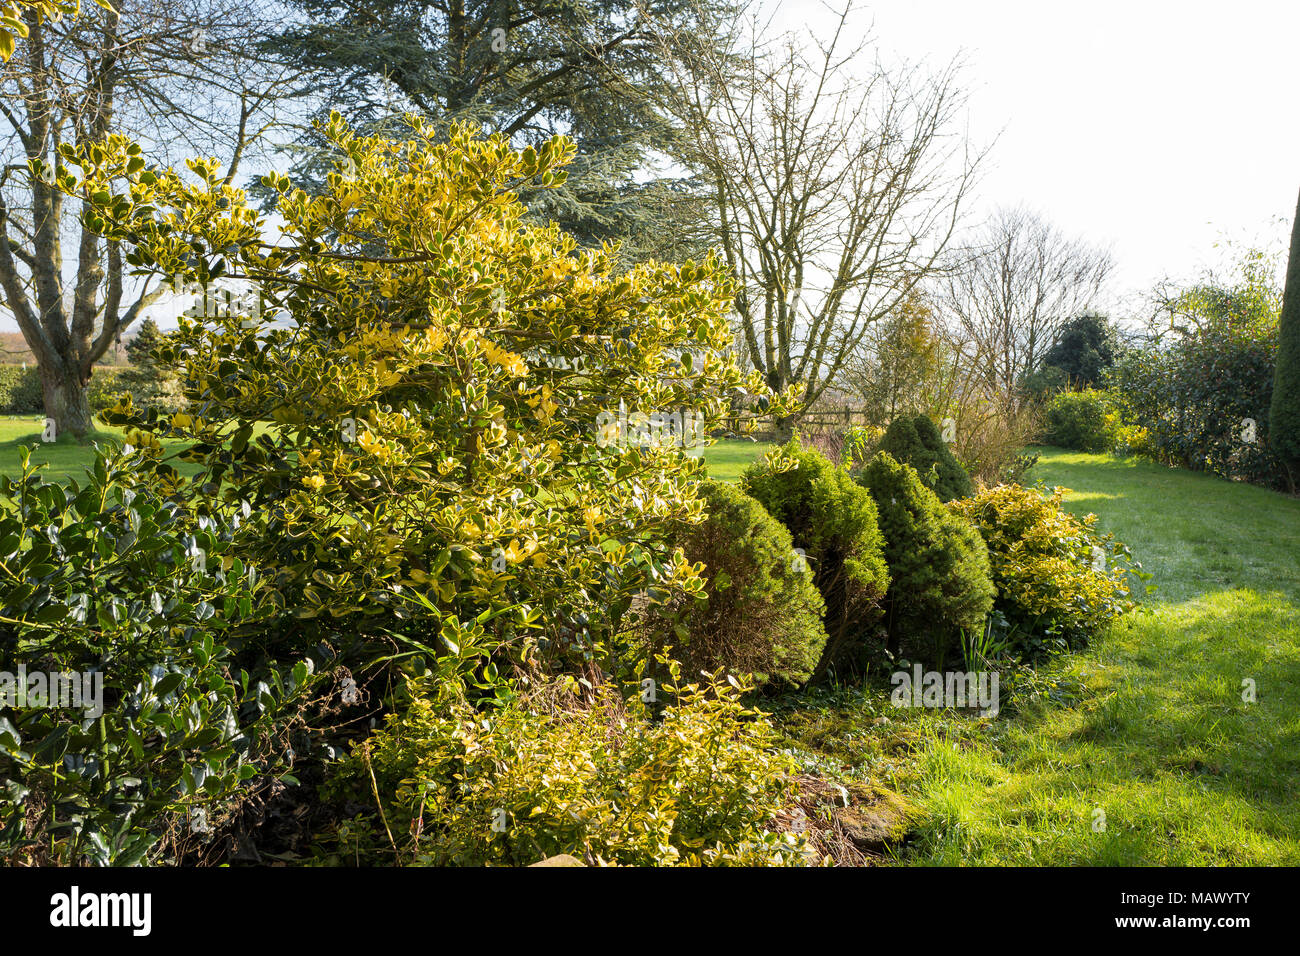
(413, 410)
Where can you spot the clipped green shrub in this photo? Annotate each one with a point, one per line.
(940, 585)
(916, 441)
(699, 784)
(833, 520)
(760, 613)
(1058, 580)
(1081, 421)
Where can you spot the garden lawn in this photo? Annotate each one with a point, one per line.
(1139, 750)
(64, 459)
(726, 459)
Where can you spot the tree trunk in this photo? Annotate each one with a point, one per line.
(66, 401)
(784, 427)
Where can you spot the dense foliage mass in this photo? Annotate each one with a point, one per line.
(526, 69)
(1200, 396)
(915, 440)
(1058, 580)
(760, 613)
(1203, 402)
(139, 604)
(939, 587)
(1084, 349)
(439, 412)
(833, 521)
(1081, 421)
(697, 782)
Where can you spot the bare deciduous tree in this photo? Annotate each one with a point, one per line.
(1006, 295)
(835, 182)
(181, 77)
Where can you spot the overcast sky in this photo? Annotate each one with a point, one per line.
(1153, 126)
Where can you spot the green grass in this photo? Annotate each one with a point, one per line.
(1147, 725)
(728, 458)
(63, 459)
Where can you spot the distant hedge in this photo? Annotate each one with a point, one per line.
(1080, 421)
(1203, 403)
(20, 389)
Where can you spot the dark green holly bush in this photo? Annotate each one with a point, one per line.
(1204, 402)
(112, 579)
(938, 565)
(833, 520)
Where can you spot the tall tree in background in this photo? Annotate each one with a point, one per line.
(897, 359)
(1284, 415)
(589, 69)
(177, 74)
(835, 185)
(1083, 350)
(1010, 293)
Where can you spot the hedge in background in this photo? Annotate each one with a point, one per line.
(1080, 421)
(20, 390)
(1203, 403)
(940, 583)
(916, 441)
(833, 520)
(760, 613)
(21, 393)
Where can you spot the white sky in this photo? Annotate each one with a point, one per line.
(1152, 126)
